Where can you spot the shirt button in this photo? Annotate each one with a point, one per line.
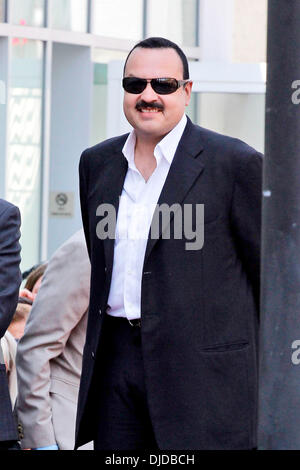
(100, 311)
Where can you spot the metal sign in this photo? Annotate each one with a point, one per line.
(61, 204)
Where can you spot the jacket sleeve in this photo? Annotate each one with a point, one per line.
(246, 215)
(59, 306)
(10, 276)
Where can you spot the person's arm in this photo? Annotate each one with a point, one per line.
(10, 275)
(246, 214)
(60, 304)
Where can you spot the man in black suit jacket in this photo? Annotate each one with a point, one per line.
(10, 279)
(176, 366)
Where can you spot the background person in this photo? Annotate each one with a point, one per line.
(16, 328)
(33, 282)
(49, 355)
(9, 344)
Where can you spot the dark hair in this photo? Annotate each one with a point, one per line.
(34, 276)
(162, 43)
(26, 273)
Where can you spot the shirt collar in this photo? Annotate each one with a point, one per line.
(167, 146)
(128, 149)
(169, 143)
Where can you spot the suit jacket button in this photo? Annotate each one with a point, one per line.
(93, 355)
(100, 311)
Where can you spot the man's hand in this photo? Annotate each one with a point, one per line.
(27, 294)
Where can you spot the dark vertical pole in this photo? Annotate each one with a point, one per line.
(46, 14)
(279, 391)
(5, 11)
(145, 18)
(89, 25)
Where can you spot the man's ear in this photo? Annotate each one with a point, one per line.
(188, 92)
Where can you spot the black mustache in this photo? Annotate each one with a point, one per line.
(143, 104)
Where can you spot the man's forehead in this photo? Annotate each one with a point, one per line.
(166, 57)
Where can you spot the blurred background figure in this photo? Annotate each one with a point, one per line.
(49, 355)
(17, 325)
(16, 328)
(33, 282)
(9, 344)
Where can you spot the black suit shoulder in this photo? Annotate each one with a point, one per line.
(106, 148)
(94, 158)
(225, 145)
(7, 206)
(236, 159)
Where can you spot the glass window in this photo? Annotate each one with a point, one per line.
(239, 115)
(192, 108)
(27, 12)
(173, 19)
(2, 11)
(23, 175)
(249, 31)
(118, 18)
(103, 56)
(70, 15)
(99, 119)
(99, 104)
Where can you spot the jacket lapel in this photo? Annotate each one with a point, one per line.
(115, 175)
(185, 169)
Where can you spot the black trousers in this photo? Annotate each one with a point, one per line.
(123, 421)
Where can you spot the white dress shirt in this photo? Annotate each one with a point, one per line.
(137, 204)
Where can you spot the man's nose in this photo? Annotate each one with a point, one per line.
(149, 94)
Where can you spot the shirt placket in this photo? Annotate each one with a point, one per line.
(131, 291)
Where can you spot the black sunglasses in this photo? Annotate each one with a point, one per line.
(161, 86)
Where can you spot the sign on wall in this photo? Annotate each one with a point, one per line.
(61, 204)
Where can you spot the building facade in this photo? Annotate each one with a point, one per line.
(61, 65)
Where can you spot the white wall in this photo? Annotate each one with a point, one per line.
(71, 114)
